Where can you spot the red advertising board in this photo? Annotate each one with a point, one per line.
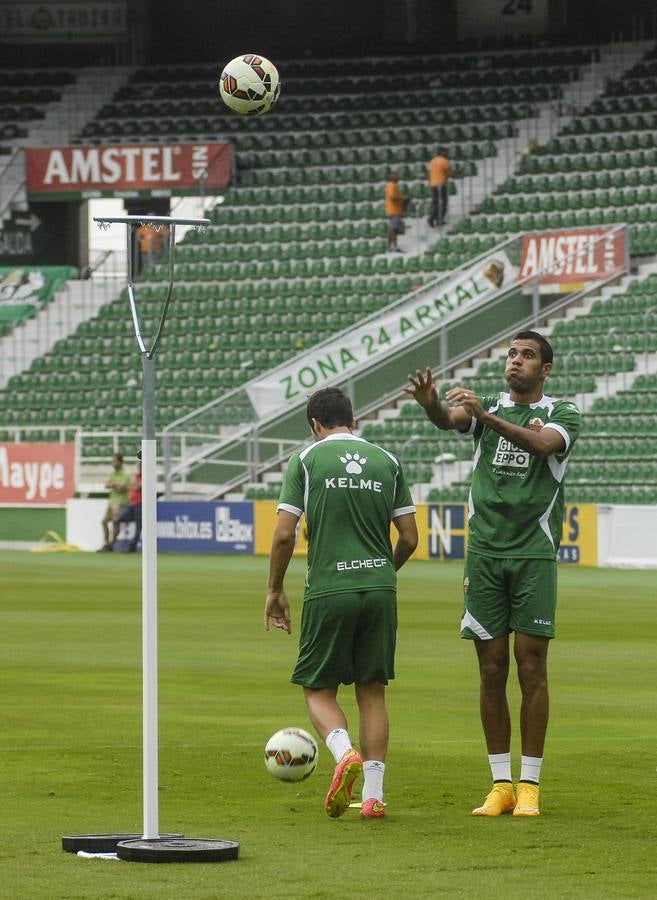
(572, 256)
(36, 474)
(121, 168)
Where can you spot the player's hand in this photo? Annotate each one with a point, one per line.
(422, 389)
(467, 399)
(277, 611)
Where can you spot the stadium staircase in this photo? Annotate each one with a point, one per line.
(599, 168)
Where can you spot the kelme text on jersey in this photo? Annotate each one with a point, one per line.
(353, 484)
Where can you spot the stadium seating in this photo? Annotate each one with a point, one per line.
(25, 96)
(296, 250)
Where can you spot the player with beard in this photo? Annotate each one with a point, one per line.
(523, 440)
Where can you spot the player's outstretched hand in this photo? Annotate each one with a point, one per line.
(277, 611)
(422, 388)
(467, 399)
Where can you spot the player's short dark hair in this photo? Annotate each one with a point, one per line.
(118, 456)
(547, 354)
(330, 407)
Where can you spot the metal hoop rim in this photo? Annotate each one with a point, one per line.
(147, 219)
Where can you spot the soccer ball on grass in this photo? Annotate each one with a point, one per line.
(291, 754)
(249, 84)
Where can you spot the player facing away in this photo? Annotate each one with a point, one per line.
(523, 440)
(349, 490)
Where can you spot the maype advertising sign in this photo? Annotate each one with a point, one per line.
(36, 474)
(158, 169)
(566, 260)
(198, 527)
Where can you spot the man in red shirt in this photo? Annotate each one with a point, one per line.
(132, 512)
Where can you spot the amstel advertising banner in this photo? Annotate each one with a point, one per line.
(567, 260)
(57, 173)
(37, 474)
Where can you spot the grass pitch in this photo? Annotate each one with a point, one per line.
(70, 742)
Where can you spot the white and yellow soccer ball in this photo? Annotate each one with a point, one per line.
(291, 754)
(249, 84)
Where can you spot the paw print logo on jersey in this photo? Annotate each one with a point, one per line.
(353, 463)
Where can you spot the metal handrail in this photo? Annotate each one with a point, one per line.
(609, 353)
(5, 204)
(651, 311)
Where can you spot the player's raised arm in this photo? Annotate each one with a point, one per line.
(423, 390)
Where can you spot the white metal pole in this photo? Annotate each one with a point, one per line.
(149, 602)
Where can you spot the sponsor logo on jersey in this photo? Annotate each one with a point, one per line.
(466, 585)
(536, 424)
(353, 463)
(510, 456)
(347, 565)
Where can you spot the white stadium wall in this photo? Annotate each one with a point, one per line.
(627, 536)
(83, 523)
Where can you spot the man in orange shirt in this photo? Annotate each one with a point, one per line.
(395, 208)
(151, 242)
(439, 170)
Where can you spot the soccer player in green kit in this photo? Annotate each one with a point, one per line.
(523, 439)
(350, 491)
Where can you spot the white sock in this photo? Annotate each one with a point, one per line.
(338, 742)
(500, 766)
(373, 772)
(530, 768)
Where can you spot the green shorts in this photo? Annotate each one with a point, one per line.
(503, 595)
(347, 638)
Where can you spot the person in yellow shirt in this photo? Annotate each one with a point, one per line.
(439, 169)
(395, 203)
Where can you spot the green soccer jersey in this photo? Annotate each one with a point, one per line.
(516, 499)
(349, 490)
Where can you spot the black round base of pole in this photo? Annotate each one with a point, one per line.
(101, 843)
(177, 850)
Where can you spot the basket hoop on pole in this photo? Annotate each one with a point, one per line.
(152, 847)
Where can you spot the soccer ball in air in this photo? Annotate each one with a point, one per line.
(291, 754)
(249, 84)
